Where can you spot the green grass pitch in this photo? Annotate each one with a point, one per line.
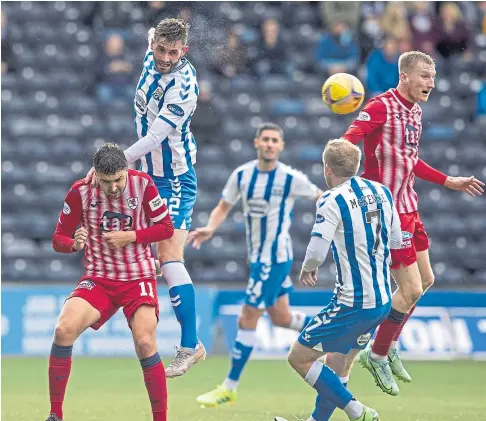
(113, 390)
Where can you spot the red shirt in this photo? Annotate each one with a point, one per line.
(140, 208)
(391, 127)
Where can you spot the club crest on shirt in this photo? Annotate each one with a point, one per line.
(132, 202)
(158, 94)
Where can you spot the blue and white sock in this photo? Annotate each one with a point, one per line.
(244, 343)
(325, 407)
(299, 321)
(183, 299)
(328, 385)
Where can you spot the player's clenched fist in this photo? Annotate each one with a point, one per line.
(80, 237)
(199, 236)
(308, 278)
(119, 239)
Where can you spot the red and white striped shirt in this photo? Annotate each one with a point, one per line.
(391, 127)
(140, 208)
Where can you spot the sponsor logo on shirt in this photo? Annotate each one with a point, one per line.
(175, 109)
(319, 219)
(66, 210)
(364, 116)
(140, 102)
(156, 203)
(258, 208)
(114, 221)
(132, 202)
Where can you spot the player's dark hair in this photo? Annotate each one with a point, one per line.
(269, 126)
(173, 30)
(109, 159)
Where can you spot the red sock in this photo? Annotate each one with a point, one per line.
(397, 335)
(59, 370)
(387, 331)
(156, 384)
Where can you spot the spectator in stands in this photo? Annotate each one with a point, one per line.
(340, 11)
(395, 21)
(337, 51)
(7, 53)
(271, 57)
(370, 31)
(382, 68)
(231, 59)
(205, 122)
(453, 36)
(115, 73)
(423, 27)
(158, 10)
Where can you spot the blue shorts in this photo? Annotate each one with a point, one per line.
(180, 193)
(267, 283)
(338, 328)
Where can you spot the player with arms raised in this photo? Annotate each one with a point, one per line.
(391, 125)
(118, 219)
(165, 100)
(268, 189)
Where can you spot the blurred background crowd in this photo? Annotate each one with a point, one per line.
(69, 71)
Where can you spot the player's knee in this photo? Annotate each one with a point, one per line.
(427, 282)
(413, 294)
(248, 318)
(65, 333)
(281, 319)
(170, 255)
(145, 346)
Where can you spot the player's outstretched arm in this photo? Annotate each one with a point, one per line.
(470, 185)
(217, 217)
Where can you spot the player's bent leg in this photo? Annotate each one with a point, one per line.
(425, 269)
(144, 324)
(76, 316)
(282, 315)
(326, 382)
(182, 296)
(376, 358)
(240, 354)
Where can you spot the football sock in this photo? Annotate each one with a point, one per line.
(244, 343)
(328, 385)
(386, 332)
(397, 335)
(156, 384)
(299, 321)
(183, 299)
(325, 407)
(59, 371)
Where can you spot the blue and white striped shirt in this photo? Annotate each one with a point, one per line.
(360, 220)
(268, 200)
(164, 105)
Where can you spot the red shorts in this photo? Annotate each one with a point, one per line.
(414, 238)
(107, 296)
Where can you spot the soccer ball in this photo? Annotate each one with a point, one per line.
(343, 93)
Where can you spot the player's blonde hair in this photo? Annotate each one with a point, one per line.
(408, 60)
(342, 157)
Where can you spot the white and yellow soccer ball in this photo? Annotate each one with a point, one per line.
(343, 93)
